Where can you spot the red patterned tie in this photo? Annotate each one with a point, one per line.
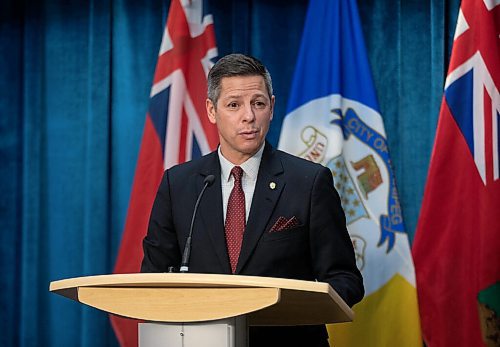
(235, 218)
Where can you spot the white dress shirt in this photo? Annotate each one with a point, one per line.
(250, 171)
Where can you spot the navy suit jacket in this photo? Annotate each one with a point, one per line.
(319, 248)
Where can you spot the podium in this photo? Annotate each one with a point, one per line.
(183, 309)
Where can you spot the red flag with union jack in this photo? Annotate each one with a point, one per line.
(176, 129)
(457, 243)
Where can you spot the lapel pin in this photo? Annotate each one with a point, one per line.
(272, 185)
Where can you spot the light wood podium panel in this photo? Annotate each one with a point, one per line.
(189, 297)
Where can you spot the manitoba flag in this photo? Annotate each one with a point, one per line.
(457, 243)
(176, 129)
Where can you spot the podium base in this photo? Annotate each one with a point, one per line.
(230, 332)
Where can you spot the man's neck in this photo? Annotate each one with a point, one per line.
(238, 160)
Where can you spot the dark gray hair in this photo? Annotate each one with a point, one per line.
(236, 65)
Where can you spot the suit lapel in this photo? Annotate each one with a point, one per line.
(210, 210)
(268, 188)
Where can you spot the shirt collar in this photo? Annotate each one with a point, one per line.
(250, 166)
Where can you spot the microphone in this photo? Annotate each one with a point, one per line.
(187, 249)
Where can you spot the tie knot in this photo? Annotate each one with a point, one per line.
(237, 172)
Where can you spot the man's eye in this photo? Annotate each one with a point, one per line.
(232, 105)
(259, 104)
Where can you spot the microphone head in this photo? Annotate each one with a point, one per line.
(209, 180)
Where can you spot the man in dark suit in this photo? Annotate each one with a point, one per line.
(273, 215)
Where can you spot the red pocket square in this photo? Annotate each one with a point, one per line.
(283, 224)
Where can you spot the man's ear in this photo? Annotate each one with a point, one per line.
(210, 111)
(272, 107)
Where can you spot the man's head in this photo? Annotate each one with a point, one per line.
(240, 103)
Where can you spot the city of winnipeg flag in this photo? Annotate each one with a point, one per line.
(457, 243)
(333, 118)
(176, 129)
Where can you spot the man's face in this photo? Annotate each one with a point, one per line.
(242, 116)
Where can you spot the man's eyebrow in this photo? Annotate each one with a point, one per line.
(231, 96)
(239, 95)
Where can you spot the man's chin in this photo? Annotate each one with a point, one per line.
(251, 147)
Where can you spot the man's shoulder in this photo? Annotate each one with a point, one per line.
(194, 166)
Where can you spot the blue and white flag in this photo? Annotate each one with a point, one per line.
(333, 118)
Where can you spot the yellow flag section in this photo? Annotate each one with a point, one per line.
(388, 305)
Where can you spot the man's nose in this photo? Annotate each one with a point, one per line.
(249, 113)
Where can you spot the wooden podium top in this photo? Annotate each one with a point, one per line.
(189, 297)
